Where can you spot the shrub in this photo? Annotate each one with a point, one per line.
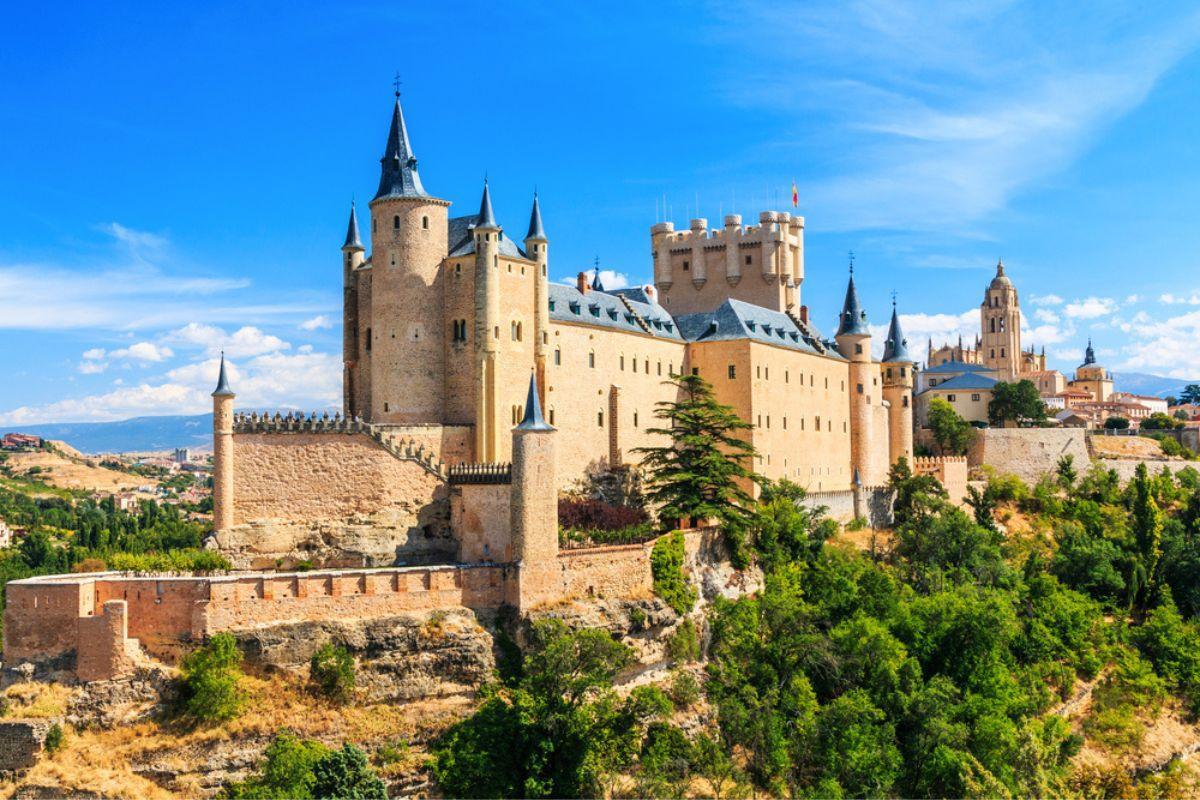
(684, 642)
(210, 680)
(666, 566)
(685, 690)
(54, 738)
(287, 772)
(331, 671)
(637, 618)
(345, 774)
(596, 515)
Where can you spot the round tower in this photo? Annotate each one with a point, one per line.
(537, 248)
(409, 242)
(1000, 317)
(854, 343)
(222, 452)
(487, 234)
(898, 378)
(534, 506)
(352, 258)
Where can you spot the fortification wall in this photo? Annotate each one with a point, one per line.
(41, 620)
(1127, 467)
(1028, 453)
(877, 503)
(480, 517)
(950, 471)
(612, 571)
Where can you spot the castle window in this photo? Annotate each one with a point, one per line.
(685, 266)
(758, 372)
(786, 376)
(903, 371)
(768, 422)
(759, 420)
(767, 373)
(368, 340)
(843, 427)
(622, 363)
(860, 389)
(858, 349)
(646, 364)
(458, 269)
(695, 370)
(975, 398)
(817, 420)
(425, 223)
(396, 222)
(552, 415)
(829, 426)
(905, 401)
(1002, 352)
(732, 372)
(992, 325)
(785, 423)
(510, 268)
(802, 423)
(600, 419)
(557, 357)
(992, 352)
(889, 373)
(635, 419)
(748, 260)
(385, 406)
(950, 398)
(592, 360)
(374, 226)
(496, 332)
(660, 368)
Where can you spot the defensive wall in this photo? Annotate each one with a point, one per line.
(1028, 453)
(950, 471)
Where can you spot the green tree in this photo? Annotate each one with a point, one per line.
(331, 670)
(951, 432)
(911, 494)
(211, 674)
(1018, 402)
(1147, 527)
(1190, 393)
(704, 472)
(856, 746)
(1066, 472)
(345, 774)
(666, 569)
(286, 773)
(1159, 421)
(1116, 424)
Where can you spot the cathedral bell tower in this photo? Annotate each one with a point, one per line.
(1000, 317)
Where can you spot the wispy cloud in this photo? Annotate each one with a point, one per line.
(939, 115)
(319, 322)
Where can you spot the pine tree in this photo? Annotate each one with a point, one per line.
(1147, 529)
(703, 473)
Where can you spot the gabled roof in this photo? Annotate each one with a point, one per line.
(609, 310)
(398, 168)
(462, 242)
(969, 380)
(735, 319)
(956, 366)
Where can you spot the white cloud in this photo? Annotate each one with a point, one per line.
(94, 354)
(1047, 300)
(1179, 300)
(134, 238)
(141, 351)
(1131, 299)
(318, 322)
(921, 329)
(245, 341)
(1167, 347)
(92, 367)
(1090, 308)
(1046, 315)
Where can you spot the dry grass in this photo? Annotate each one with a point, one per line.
(104, 760)
(37, 700)
(69, 473)
(1126, 447)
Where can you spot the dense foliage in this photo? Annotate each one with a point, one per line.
(210, 676)
(331, 671)
(951, 433)
(666, 567)
(305, 769)
(1017, 402)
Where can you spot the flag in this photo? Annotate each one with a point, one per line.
(795, 195)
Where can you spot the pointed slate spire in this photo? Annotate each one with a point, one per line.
(222, 389)
(533, 420)
(487, 217)
(596, 285)
(353, 240)
(1089, 355)
(853, 321)
(536, 231)
(398, 168)
(896, 346)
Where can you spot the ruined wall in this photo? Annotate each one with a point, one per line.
(41, 620)
(21, 742)
(1028, 453)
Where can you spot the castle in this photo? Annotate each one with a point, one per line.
(474, 391)
(446, 313)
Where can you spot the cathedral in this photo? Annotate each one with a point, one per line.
(447, 316)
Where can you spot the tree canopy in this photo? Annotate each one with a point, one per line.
(1017, 402)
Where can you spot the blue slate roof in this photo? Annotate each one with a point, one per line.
(536, 231)
(853, 321)
(352, 238)
(533, 420)
(607, 310)
(969, 380)
(398, 168)
(486, 218)
(735, 319)
(896, 346)
(222, 389)
(955, 366)
(462, 241)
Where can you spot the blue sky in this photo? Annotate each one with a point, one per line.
(175, 179)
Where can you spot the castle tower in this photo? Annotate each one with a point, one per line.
(534, 506)
(537, 247)
(409, 241)
(898, 368)
(222, 452)
(487, 235)
(854, 342)
(352, 258)
(1000, 317)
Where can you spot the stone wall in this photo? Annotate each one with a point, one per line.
(950, 471)
(336, 499)
(104, 651)
(480, 518)
(612, 571)
(21, 742)
(1028, 453)
(839, 505)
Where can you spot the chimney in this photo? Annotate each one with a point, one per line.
(651, 292)
(581, 283)
(804, 314)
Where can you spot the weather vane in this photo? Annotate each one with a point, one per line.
(851, 262)
(893, 298)
(396, 84)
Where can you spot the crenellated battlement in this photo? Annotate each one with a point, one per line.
(773, 226)
(493, 474)
(921, 463)
(402, 447)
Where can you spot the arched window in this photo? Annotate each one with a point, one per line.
(396, 222)
(600, 419)
(557, 356)
(992, 325)
(520, 333)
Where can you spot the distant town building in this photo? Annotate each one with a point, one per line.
(182, 455)
(966, 387)
(20, 441)
(1188, 412)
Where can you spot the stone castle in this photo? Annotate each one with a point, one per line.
(474, 391)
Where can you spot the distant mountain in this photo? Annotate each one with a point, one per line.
(1156, 385)
(130, 435)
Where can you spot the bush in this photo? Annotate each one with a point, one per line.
(684, 691)
(210, 680)
(345, 774)
(684, 643)
(596, 515)
(331, 671)
(54, 738)
(305, 769)
(666, 565)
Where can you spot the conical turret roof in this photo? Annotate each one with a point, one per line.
(353, 240)
(853, 321)
(536, 231)
(896, 346)
(487, 217)
(533, 420)
(398, 168)
(222, 389)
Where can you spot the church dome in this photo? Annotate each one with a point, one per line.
(1001, 279)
